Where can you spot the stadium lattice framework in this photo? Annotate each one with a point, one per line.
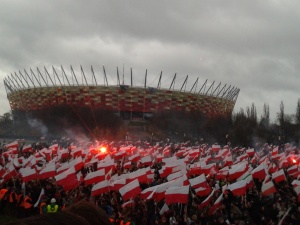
(30, 91)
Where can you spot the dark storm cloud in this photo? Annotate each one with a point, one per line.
(252, 45)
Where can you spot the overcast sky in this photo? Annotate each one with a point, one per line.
(252, 45)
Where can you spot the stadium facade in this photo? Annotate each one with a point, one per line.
(34, 91)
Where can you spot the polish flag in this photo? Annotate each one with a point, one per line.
(274, 151)
(130, 203)
(107, 165)
(209, 169)
(26, 148)
(148, 193)
(176, 175)
(146, 161)
(66, 176)
(164, 209)
(135, 158)
(119, 183)
(278, 156)
(177, 195)
(237, 170)
(161, 188)
(228, 160)
(250, 152)
(100, 188)
(71, 184)
(278, 176)
(268, 188)
(273, 168)
(296, 183)
(13, 144)
(222, 174)
(199, 181)
(216, 205)
(48, 171)
(2, 171)
(62, 154)
(297, 190)
(203, 191)
(293, 169)
(215, 148)
(159, 158)
(127, 165)
(94, 177)
(77, 163)
(259, 172)
(140, 175)
(77, 152)
(207, 200)
(10, 172)
(238, 188)
(195, 170)
(28, 174)
(130, 190)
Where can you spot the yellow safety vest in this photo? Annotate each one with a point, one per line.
(51, 209)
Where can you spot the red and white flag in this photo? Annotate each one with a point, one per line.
(148, 193)
(259, 172)
(130, 190)
(297, 190)
(238, 188)
(250, 152)
(216, 205)
(48, 171)
(296, 183)
(177, 195)
(28, 174)
(77, 163)
(209, 169)
(268, 188)
(237, 170)
(66, 176)
(199, 181)
(134, 158)
(13, 144)
(26, 148)
(140, 175)
(94, 177)
(293, 169)
(203, 191)
(164, 209)
(117, 184)
(278, 176)
(100, 188)
(215, 148)
(207, 200)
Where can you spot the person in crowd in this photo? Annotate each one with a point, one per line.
(52, 207)
(60, 218)
(93, 214)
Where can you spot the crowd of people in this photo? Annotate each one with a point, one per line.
(43, 200)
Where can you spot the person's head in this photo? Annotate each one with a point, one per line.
(59, 218)
(92, 213)
(53, 201)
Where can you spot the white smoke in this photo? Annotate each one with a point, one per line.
(37, 124)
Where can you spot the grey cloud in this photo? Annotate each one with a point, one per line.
(252, 45)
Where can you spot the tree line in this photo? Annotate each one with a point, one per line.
(243, 128)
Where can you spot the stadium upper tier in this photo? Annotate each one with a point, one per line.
(30, 92)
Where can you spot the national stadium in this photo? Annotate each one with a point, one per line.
(42, 92)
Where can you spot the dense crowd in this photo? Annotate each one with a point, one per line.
(21, 200)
